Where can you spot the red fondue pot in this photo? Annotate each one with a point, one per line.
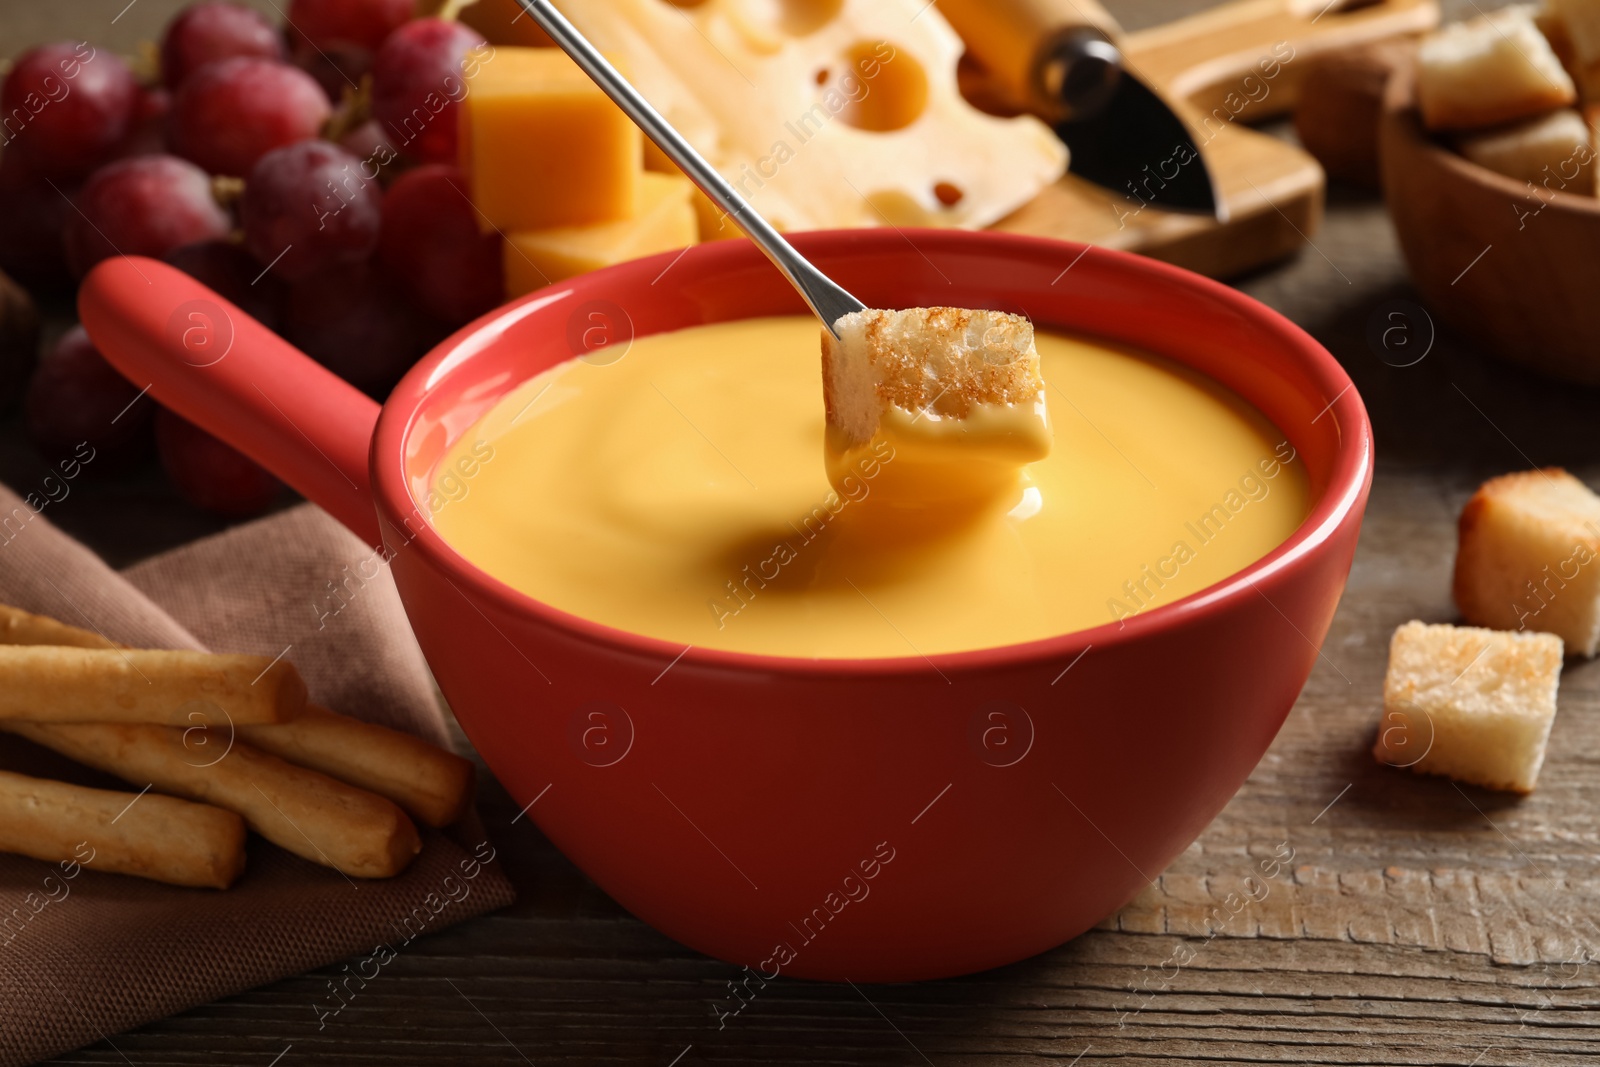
(876, 820)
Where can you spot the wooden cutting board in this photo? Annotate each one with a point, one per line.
(1224, 69)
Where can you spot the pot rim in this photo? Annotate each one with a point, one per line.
(1339, 504)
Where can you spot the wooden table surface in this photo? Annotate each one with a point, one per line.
(1421, 923)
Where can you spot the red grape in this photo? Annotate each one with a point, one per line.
(338, 68)
(66, 108)
(30, 228)
(210, 473)
(144, 206)
(79, 405)
(359, 22)
(233, 274)
(310, 206)
(418, 84)
(369, 143)
(147, 133)
(432, 246)
(232, 112)
(19, 340)
(358, 326)
(334, 40)
(213, 30)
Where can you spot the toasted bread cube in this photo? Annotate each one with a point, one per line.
(1548, 18)
(1473, 705)
(1529, 557)
(666, 221)
(944, 361)
(1489, 70)
(1586, 75)
(542, 146)
(1573, 27)
(953, 397)
(1554, 151)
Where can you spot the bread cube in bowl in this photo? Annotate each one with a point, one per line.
(1488, 70)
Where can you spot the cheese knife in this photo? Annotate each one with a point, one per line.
(1059, 59)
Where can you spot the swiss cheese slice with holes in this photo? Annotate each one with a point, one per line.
(828, 113)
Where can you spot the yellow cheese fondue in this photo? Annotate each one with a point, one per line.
(680, 493)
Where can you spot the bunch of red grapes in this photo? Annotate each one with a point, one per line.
(306, 173)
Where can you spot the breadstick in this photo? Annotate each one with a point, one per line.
(42, 683)
(431, 784)
(18, 627)
(309, 814)
(150, 836)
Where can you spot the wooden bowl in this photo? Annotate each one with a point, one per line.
(1512, 266)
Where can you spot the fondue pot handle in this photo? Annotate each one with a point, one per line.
(222, 370)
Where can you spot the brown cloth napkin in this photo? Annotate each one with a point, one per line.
(84, 954)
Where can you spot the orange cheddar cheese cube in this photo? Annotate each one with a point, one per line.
(714, 224)
(504, 22)
(543, 147)
(657, 160)
(666, 220)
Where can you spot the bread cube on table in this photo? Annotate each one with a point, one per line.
(1489, 70)
(1529, 557)
(542, 146)
(1471, 704)
(1554, 150)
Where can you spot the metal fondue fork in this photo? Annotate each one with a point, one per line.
(826, 298)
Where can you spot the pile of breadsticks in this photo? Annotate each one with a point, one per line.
(214, 745)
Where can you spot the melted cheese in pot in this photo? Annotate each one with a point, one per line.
(681, 493)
